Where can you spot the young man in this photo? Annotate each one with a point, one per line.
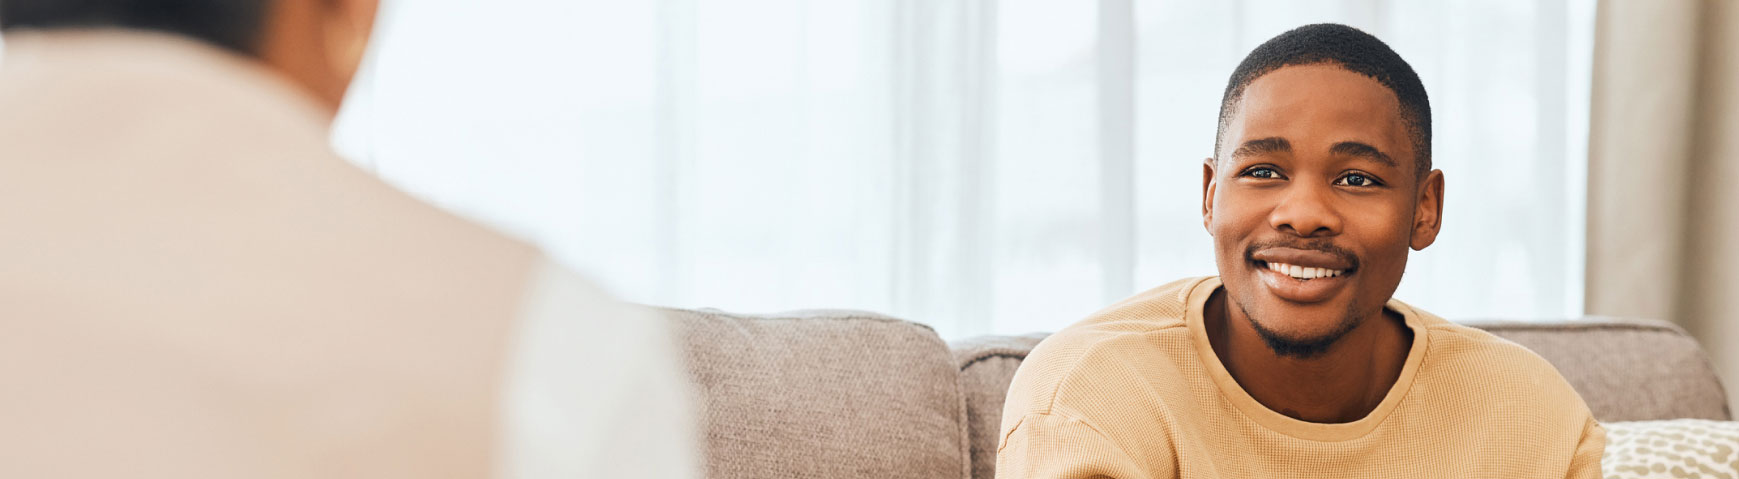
(193, 285)
(1295, 362)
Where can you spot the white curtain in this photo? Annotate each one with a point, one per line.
(981, 166)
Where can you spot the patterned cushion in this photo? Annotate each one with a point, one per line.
(1677, 448)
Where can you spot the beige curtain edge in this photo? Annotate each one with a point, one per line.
(1663, 218)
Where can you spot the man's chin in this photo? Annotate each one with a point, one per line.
(1298, 348)
(1304, 344)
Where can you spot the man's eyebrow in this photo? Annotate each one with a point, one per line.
(1361, 150)
(1263, 145)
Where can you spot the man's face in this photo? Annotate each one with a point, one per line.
(1313, 203)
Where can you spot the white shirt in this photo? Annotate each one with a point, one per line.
(591, 401)
(193, 285)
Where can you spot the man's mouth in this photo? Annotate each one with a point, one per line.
(1302, 284)
(1309, 274)
(1304, 273)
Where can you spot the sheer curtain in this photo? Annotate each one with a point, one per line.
(980, 166)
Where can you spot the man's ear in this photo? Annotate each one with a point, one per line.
(1428, 211)
(1209, 184)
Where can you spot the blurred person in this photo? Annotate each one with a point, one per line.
(1296, 361)
(194, 285)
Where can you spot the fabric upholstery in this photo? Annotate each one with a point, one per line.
(1676, 448)
(987, 364)
(851, 394)
(823, 394)
(1626, 370)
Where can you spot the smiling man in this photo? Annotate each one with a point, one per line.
(1295, 361)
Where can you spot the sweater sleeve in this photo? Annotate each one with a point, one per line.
(1585, 464)
(1052, 446)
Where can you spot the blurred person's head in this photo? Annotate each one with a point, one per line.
(1320, 182)
(318, 44)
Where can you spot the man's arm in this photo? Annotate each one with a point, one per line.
(1052, 446)
(1585, 464)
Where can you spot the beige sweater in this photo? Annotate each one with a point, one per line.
(193, 285)
(1135, 391)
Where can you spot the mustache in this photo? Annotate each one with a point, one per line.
(1320, 245)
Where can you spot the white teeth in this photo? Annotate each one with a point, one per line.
(1301, 272)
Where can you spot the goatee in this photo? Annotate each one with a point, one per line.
(1304, 348)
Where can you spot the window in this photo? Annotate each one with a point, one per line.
(981, 166)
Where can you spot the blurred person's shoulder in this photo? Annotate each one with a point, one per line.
(182, 238)
(153, 135)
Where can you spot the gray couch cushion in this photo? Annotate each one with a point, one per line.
(825, 394)
(987, 365)
(1626, 370)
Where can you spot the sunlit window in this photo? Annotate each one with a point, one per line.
(979, 166)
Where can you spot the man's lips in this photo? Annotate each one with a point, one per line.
(1305, 288)
(1303, 275)
(1305, 258)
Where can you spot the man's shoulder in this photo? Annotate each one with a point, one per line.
(1502, 389)
(1117, 345)
(1463, 360)
(1161, 310)
(1165, 303)
(1469, 347)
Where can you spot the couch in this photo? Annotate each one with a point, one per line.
(846, 394)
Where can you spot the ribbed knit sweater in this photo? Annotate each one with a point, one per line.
(1136, 391)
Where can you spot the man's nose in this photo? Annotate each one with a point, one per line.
(1306, 210)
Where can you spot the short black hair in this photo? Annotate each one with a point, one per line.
(1349, 48)
(232, 24)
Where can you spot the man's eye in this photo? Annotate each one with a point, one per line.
(1355, 179)
(1262, 173)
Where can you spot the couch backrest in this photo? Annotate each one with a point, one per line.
(823, 394)
(1626, 370)
(987, 365)
(854, 394)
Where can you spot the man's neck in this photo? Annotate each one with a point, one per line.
(1343, 384)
